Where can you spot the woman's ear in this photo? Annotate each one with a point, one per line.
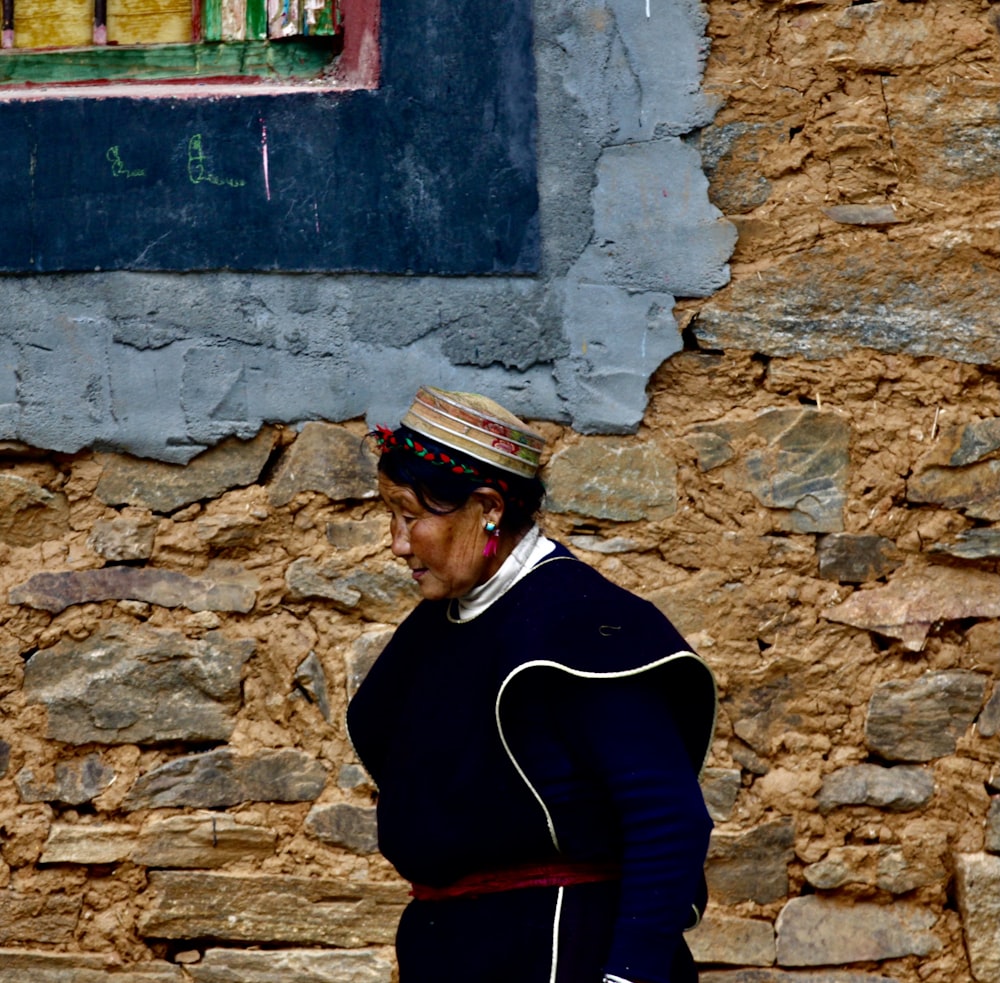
(492, 503)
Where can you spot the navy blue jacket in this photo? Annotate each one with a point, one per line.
(569, 720)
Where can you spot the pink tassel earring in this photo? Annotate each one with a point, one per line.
(493, 531)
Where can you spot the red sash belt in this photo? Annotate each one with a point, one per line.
(557, 874)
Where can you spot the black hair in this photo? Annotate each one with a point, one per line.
(441, 490)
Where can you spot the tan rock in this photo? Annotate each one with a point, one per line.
(727, 940)
(164, 487)
(292, 966)
(300, 910)
(28, 966)
(44, 918)
(30, 513)
(977, 879)
(751, 865)
(203, 840)
(73, 843)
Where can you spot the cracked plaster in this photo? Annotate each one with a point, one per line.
(164, 365)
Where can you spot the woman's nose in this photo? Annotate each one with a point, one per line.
(400, 538)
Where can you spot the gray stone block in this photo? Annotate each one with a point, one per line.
(814, 931)
(139, 685)
(720, 786)
(362, 655)
(223, 778)
(733, 155)
(854, 559)
(750, 866)
(378, 592)
(310, 678)
(974, 490)
(727, 940)
(613, 478)
(327, 459)
(903, 788)
(865, 299)
(795, 462)
(123, 539)
(346, 825)
(922, 719)
(992, 843)
(74, 782)
(886, 867)
(163, 487)
(30, 966)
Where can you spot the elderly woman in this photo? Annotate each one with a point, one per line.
(535, 732)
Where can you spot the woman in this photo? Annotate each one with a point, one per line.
(535, 732)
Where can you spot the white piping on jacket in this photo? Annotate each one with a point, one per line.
(582, 674)
(555, 935)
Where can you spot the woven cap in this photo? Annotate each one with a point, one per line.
(478, 427)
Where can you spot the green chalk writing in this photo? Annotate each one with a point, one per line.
(118, 168)
(198, 172)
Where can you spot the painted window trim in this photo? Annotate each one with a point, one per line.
(346, 57)
(418, 158)
(224, 61)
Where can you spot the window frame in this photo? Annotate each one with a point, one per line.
(211, 54)
(417, 158)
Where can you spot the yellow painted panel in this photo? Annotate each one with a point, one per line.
(148, 21)
(47, 23)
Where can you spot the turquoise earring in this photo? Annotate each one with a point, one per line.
(493, 532)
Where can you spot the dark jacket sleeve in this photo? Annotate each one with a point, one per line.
(628, 749)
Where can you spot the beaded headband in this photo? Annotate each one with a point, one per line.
(386, 440)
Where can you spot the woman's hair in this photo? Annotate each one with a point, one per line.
(410, 459)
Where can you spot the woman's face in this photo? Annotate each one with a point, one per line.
(444, 552)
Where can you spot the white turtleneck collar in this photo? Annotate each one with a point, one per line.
(532, 548)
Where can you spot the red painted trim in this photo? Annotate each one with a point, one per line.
(360, 63)
(196, 21)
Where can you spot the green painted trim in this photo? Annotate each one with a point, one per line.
(327, 19)
(211, 20)
(298, 58)
(256, 20)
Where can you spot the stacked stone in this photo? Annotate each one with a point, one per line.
(148, 765)
(179, 642)
(863, 227)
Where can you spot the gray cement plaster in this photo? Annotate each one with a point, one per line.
(163, 365)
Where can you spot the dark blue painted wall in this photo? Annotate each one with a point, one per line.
(434, 172)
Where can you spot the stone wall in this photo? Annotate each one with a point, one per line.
(181, 801)
(812, 495)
